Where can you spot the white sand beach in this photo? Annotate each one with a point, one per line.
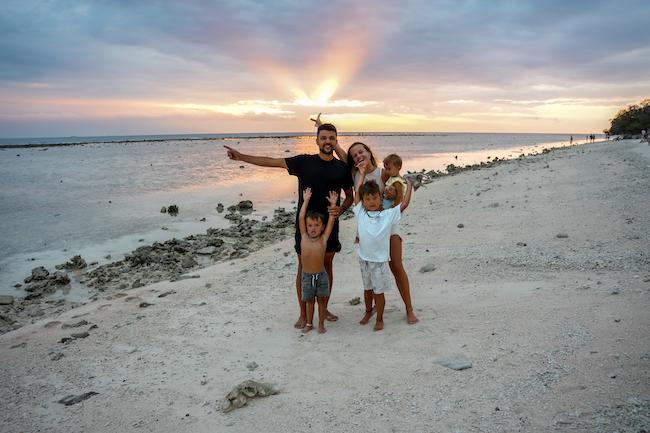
(556, 327)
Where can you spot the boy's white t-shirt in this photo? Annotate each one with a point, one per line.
(374, 228)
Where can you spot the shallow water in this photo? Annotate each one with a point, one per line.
(105, 198)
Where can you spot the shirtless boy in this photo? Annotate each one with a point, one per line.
(313, 243)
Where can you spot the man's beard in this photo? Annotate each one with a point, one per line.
(327, 152)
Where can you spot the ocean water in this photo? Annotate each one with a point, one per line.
(103, 195)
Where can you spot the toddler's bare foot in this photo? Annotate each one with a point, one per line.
(308, 327)
(321, 328)
(410, 317)
(366, 317)
(300, 323)
(379, 325)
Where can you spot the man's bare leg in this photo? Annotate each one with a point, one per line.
(322, 313)
(367, 298)
(329, 259)
(309, 325)
(401, 278)
(379, 303)
(300, 323)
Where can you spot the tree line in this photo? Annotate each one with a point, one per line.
(631, 120)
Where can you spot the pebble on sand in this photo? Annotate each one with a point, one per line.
(455, 362)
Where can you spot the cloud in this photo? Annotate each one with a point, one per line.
(279, 59)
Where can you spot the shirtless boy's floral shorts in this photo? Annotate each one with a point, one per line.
(376, 276)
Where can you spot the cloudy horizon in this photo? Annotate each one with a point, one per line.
(116, 68)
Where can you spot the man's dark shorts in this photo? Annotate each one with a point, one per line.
(333, 244)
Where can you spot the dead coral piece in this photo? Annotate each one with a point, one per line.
(245, 391)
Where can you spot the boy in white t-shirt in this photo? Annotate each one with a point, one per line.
(374, 228)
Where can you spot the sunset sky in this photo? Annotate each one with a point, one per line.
(163, 67)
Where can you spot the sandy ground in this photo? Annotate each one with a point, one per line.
(556, 328)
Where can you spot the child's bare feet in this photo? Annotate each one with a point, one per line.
(308, 327)
(410, 317)
(300, 323)
(379, 325)
(366, 317)
(321, 329)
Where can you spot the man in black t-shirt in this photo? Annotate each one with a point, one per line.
(322, 173)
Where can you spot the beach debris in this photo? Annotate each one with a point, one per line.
(74, 399)
(428, 268)
(41, 282)
(169, 292)
(451, 169)
(163, 209)
(455, 362)
(74, 325)
(6, 299)
(19, 345)
(244, 204)
(209, 250)
(172, 210)
(80, 335)
(52, 324)
(562, 235)
(188, 262)
(252, 366)
(144, 305)
(461, 225)
(75, 262)
(203, 220)
(521, 244)
(220, 207)
(355, 301)
(493, 205)
(56, 356)
(415, 179)
(38, 274)
(245, 391)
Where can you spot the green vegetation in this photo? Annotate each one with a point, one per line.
(631, 120)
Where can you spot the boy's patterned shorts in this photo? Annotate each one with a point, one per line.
(376, 276)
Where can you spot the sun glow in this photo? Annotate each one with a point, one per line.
(319, 97)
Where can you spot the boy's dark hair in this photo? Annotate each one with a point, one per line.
(394, 160)
(326, 127)
(368, 188)
(313, 215)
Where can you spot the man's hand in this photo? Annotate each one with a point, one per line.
(317, 121)
(335, 211)
(233, 154)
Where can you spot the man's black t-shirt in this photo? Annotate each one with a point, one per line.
(322, 177)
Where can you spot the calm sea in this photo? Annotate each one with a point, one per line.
(103, 195)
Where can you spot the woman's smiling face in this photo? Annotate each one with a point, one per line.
(359, 154)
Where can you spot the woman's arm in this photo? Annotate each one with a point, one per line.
(357, 185)
(399, 191)
(407, 197)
